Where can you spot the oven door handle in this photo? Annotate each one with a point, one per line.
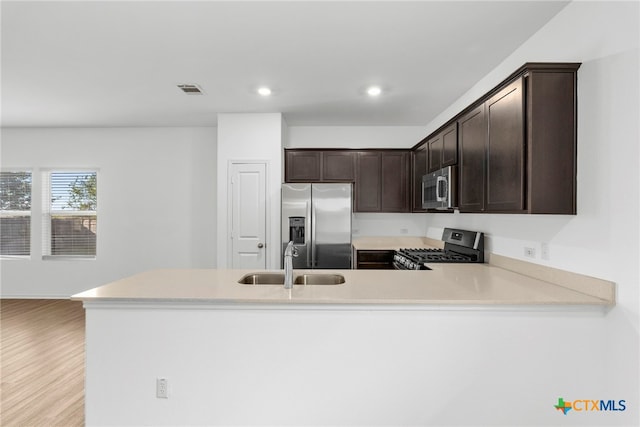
(398, 266)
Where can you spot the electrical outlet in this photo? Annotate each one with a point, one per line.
(530, 252)
(162, 388)
(404, 231)
(544, 251)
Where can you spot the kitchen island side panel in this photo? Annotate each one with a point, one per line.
(251, 366)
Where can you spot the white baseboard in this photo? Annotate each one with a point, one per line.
(35, 296)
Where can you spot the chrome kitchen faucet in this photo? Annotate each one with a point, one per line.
(289, 253)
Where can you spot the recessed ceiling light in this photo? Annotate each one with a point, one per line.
(264, 91)
(374, 90)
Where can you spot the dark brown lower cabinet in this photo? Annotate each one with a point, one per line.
(374, 259)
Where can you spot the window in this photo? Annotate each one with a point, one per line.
(15, 213)
(70, 220)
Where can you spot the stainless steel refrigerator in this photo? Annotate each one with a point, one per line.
(317, 218)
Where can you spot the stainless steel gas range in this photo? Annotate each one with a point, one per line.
(459, 246)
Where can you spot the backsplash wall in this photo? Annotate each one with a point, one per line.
(388, 224)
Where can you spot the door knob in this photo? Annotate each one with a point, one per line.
(260, 245)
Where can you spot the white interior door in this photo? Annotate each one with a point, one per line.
(248, 215)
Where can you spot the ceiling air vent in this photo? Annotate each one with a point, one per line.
(191, 89)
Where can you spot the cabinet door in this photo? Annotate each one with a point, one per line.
(443, 149)
(395, 183)
(375, 259)
(338, 166)
(472, 133)
(368, 182)
(505, 150)
(419, 169)
(302, 166)
(450, 145)
(434, 146)
(551, 142)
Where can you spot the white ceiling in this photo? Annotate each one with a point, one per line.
(118, 63)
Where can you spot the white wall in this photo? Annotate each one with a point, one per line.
(388, 224)
(156, 203)
(602, 240)
(354, 136)
(255, 137)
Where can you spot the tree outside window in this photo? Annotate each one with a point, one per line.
(71, 219)
(15, 213)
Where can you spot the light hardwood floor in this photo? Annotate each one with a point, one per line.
(42, 363)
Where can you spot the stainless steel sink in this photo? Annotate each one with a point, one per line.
(262, 279)
(319, 279)
(266, 278)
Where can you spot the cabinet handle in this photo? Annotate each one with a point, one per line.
(260, 245)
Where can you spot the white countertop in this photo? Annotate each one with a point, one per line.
(445, 284)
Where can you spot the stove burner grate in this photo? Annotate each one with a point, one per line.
(434, 255)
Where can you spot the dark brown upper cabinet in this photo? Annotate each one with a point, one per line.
(368, 182)
(517, 146)
(302, 165)
(472, 144)
(491, 154)
(505, 150)
(551, 155)
(419, 166)
(443, 148)
(395, 181)
(382, 181)
(338, 166)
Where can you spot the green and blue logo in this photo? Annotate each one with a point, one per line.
(585, 405)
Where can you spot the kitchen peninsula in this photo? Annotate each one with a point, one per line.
(367, 351)
(445, 284)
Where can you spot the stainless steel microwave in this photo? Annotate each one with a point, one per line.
(439, 189)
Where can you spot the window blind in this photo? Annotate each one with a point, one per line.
(15, 213)
(70, 220)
